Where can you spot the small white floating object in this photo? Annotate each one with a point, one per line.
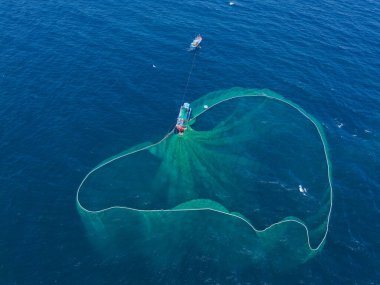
(205, 106)
(302, 189)
(367, 131)
(232, 3)
(154, 66)
(340, 125)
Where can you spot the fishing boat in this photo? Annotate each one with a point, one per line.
(183, 118)
(195, 43)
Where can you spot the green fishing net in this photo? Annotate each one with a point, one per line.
(248, 182)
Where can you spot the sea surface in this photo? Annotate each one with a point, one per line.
(83, 80)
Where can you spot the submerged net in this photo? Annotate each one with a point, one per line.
(249, 182)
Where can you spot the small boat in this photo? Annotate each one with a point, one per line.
(196, 42)
(183, 118)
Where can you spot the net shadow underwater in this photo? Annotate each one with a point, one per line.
(248, 183)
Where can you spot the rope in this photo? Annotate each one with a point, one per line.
(189, 76)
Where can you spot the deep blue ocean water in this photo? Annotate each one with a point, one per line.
(77, 85)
